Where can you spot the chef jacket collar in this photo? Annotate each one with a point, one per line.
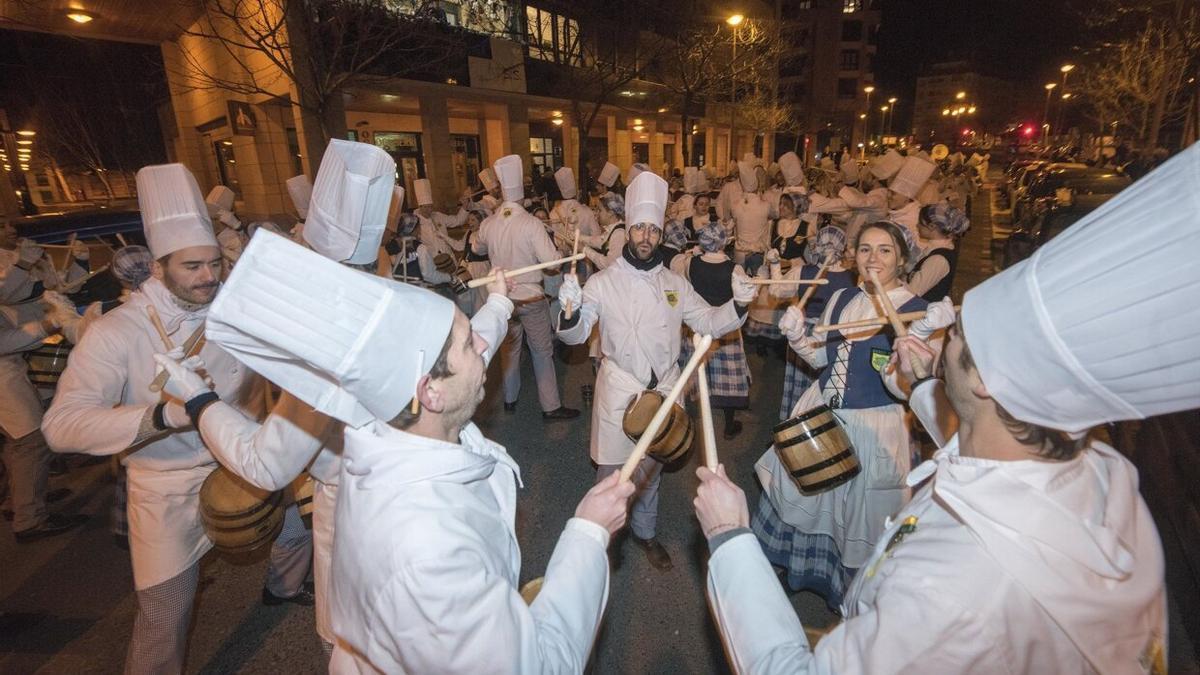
(398, 457)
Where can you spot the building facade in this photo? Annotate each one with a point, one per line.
(954, 104)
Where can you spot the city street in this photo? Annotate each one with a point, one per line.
(66, 604)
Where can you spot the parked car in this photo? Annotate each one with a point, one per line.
(1050, 220)
(1037, 175)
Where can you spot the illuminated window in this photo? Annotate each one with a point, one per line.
(851, 6)
(552, 37)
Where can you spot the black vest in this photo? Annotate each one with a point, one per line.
(942, 288)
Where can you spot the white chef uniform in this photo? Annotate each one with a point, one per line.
(512, 238)
(569, 211)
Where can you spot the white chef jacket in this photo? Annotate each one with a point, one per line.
(640, 314)
(1080, 590)
(511, 238)
(427, 564)
(576, 215)
(101, 400)
(730, 192)
(20, 405)
(433, 231)
(752, 214)
(294, 437)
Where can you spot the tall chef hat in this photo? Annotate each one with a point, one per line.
(646, 199)
(609, 174)
(395, 209)
(300, 190)
(350, 344)
(887, 165)
(423, 191)
(1100, 324)
(747, 176)
(849, 170)
(636, 169)
(931, 193)
(690, 183)
(488, 178)
(792, 168)
(350, 200)
(510, 171)
(912, 176)
(220, 197)
(565, 178)
(174, 214)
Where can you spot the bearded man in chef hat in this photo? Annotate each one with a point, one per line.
(1028, 547)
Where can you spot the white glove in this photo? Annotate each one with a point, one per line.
(792, 323)
(80, 327)
(570, 292)
(184, 383)
(229, 219)
(743, 290)
(57, 302)
(29, 253)
(80, 251)
(938, 315)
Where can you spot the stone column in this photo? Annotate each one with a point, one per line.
(435, 145)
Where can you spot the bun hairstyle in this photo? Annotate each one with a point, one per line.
(951, 222)
(896, 232)
(615, 204)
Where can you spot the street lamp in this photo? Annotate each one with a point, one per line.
(867, 124)
(960, 95)
(1065, 69)
(891, 113)
(1046, 112)
(734, 21)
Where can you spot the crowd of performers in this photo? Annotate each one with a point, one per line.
(252, 373)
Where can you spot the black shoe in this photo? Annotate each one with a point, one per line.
(655, 553)
(303, 597)
(561, 413)
(510, 407)
(54, 524)
(732, 429)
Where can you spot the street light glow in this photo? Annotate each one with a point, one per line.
(883, 109)
(24, 142)
(735, 20)
(862, 116)
(945, 111)
(893, 100)
(80, 16)
(869, 88)
(960, 95)
(27, 133)
(1067, 68)
(1051, 85)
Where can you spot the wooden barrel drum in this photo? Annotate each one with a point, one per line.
(673, 440)
(445, 263)
(48, 361)
(816, 450)
(237, 516)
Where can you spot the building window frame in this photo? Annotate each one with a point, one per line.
(552, 37)
(849, 60)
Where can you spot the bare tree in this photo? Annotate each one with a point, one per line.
(317, 49)
(1141, 82)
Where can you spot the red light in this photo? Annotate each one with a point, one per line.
(1027, 130)
(966, 132)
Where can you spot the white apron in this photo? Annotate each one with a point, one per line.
(165, 501)
(615, 388)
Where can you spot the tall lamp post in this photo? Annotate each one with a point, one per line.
(1058, 122)
(1046, 112)
(883, 114)
(891, 113)
(867, 124)
(734, 22)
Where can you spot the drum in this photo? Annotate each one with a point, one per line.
(815, 450)
(303, 489)
(445, 263)
(237, 516)
(48, 361)
(459, 280)
(673, 440)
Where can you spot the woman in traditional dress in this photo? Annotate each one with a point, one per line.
(940, 226)
(821, 539)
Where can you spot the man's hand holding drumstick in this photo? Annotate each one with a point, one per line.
(720, 504)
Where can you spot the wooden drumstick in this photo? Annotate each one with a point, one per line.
(898, 325)
(191, 347)
(877, 321)
(660, 416)
(69, 246)
(509, 274)
(813, 289)
(794, 282)
(78, 283)
(706, 421)
(158, 326)
(568, 311)
(122, 240)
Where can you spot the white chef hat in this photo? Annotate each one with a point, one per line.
(747, 176)
(395, 209)
(488, 178)
(912, 176)
(849, 170)
(511, 173)
(694, 180)
(609, 174)
(220, 197)
(350, 344)
(349, 207)
(1100, 324)
(423, 191)
(565, 178)
(646, 199)
(931, 193)
(174, 215)
(751, 159)
(827, 163)
(636, 169)
(792, 168)
(300, 190)
(886, 165)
